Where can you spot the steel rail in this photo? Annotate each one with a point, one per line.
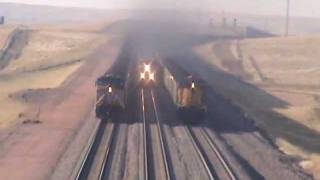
(88, 150)
(145, 167)
(200, 154)
(107, 153)
(217, 152)
(161, 137)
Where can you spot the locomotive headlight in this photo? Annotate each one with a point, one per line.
(151, 76)
(142, 76)
(193, 85)
(147, 67)
(110, 89)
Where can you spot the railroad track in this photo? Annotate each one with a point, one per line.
(93, 165)
(98, 152)
(213, 161)
(214, 147)
(150, 172)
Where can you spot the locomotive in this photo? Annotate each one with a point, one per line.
(185, 90)
(111, 95)
(149, 73)
(111, 87)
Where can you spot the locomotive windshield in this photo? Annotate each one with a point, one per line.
(110, 81)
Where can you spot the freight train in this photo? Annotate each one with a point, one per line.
(149, 73)
(111, 88)
(111, 95)
(186, 91)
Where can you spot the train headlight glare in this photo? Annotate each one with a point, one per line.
(151, 76)
(142, 76)
(110, 89)
(147, 67)
(193, 85)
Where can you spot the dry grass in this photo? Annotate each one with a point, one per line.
(52, 48)
(285, 60)
(92, 27)
(11, 108)
(4, 34)
(286, 103)
(49, 58)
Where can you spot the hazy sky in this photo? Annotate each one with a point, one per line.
(309, 8)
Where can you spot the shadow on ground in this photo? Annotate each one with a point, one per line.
(177, 42)
(226, 117)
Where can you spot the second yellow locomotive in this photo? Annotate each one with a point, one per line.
(186, 91)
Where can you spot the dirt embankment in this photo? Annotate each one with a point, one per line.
(5, 32)
(13, 47)
(279, 88)
(39, 97)
(40, 59)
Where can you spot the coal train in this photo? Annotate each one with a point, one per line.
(186, 91)
(149, 73)
(111, 87)
(111, 95)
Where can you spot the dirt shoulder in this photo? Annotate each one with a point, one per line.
(32, 149)
(276, 81)
(5, 32)
(46, 93)
(46, 60)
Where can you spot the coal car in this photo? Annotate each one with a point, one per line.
(186, 91)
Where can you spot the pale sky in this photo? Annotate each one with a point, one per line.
(310, 8)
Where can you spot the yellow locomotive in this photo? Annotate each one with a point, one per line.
(186, 91)
(149, 73)
(111, 95)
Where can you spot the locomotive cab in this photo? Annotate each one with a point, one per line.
(191, 100)
(110, 95)
(148, 73)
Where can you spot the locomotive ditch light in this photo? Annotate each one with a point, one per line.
(151, 76)
(110, 89)
(142, 76)
(147, 67)
(193, 85)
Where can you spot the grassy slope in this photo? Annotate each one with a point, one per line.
(51, 78)
(287, 69)
(50, 57)
(4, 34)
(51, 48)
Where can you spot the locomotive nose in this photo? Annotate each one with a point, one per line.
(147, 68)
(142, 76)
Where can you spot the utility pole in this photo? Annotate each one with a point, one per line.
(224, 19)
(288, 18)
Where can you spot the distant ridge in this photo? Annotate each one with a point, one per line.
(38, 14)
(252, 32)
